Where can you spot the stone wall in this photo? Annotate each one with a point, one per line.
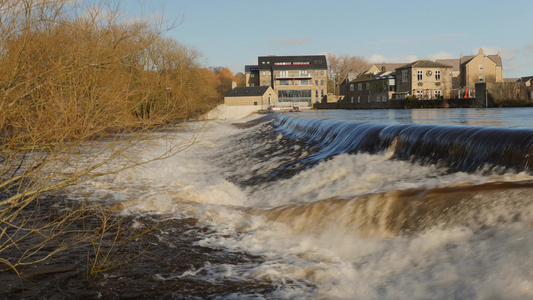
(503, 94)
(399, 104)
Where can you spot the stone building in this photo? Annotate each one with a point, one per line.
(296, 80)
(424, 79)
(260, 96)
(480, 68)
(370, 90)
(251, 73)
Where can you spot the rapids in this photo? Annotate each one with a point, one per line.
(421, 204)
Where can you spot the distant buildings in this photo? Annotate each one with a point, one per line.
(296, 80)
(302, 81)
(423, 80)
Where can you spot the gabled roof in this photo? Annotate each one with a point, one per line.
(425, 64)
(247, 91)
(455, 63)
(497, 59)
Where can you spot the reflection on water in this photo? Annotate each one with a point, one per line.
(499, 117)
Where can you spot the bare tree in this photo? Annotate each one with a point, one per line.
(343, 65)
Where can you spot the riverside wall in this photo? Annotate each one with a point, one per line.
(398, 104)
(503, 94)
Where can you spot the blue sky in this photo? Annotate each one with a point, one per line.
(234, 33)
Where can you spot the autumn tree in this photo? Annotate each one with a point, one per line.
(225, 77)
(241, 79)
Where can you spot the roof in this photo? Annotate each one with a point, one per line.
(425, 64)
(389, 66)
(455, 63)
(374, 76)
(247, 91)
(250, 68)
(497, 59)
(300, 62)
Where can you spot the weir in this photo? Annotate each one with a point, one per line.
(460, 148)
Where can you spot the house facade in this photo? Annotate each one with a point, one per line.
(480, 68)
(424, 80)
(370, 90)
(296, 80)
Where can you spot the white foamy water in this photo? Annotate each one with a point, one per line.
(324, 232)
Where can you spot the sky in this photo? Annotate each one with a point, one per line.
(234, 33)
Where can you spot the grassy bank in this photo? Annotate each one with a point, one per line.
(71, 73)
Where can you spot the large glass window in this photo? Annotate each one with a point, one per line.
(419, 75)
(437, 75)
(294, 95)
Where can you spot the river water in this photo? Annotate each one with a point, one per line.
(367, 204)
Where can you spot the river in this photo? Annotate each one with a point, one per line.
(363, 204)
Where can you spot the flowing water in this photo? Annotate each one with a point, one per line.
(374, 204)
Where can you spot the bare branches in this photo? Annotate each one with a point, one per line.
(80, 86)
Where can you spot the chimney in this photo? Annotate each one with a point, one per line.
(461, 54)
(499, 53)
(480, 50)
(233, 84)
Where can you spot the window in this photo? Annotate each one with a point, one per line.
(252, 84)
(252, 75)
(264, 73)
(302, 73)
(404, 75)
(352, 88)
(322, 82)
(480, 67)
(419, 94)
(316, 72)
(437, 75)
(283, 73)
(360, 86)
(322, 93)
(419, 75)
(316, 94)
(351, 99)
(321, 72)
(437, 93)
(269, 74)
(367, 86)
(358, 99)
(264, 83)
(480, 78)
(255, 102)
(316, 82)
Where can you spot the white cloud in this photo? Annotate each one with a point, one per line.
(378, 58)
(441, 55)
